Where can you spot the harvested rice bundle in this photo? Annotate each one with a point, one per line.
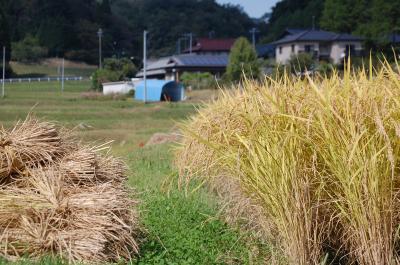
(68, 202)
(109, 169)
(86, 165)
(79, 166)
(29, 143)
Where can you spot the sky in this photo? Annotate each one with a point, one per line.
(255, 8)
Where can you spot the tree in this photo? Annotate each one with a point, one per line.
(5, 39)
(242, 61)
(114, 70)
(28, 50)
(345, 15)
(293, 14)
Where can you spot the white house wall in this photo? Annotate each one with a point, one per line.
(284, 57)
(339, 48)
(335, 50)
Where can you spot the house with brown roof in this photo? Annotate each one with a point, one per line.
(206, 46)
(322, 45)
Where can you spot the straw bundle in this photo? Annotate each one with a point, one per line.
(62, 199)
(30, 142)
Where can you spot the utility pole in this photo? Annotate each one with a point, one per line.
(4, 72)
(100, 34)
(190, 36)
(62, 76)
(145, 64)
(179, 44)
(313, 22)
(253, 32)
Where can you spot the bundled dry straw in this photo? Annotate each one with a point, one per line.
(63, 199)
(320, 157)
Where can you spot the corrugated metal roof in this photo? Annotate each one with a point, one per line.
(265, 49)
(317, 35)
(202, 60)
(185, 60)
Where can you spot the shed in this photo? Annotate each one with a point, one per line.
(160, 90)
(117, 88)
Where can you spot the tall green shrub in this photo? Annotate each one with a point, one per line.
(114, 70)
(242, 61)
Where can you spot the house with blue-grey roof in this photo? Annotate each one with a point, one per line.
(322, 45)
(172, 67)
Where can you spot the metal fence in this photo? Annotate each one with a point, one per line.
(42, 79)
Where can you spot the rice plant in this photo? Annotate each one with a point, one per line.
(320, 156)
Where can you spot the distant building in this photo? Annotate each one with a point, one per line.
(394, 40)
(171, 68)
(117, 88)
(265, 51)
(322, 45)
(204, 46)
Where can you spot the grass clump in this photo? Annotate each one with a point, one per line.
(318, 158)
(183, 228)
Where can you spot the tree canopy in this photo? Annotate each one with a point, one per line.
(69, 27)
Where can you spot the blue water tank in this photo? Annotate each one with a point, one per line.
(160, 90)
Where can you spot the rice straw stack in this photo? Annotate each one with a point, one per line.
(63, 199)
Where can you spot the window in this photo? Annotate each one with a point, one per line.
(350, 48)
(309, 48)
(280, 49)
(292, 48)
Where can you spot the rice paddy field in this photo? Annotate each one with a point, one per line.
(177, 227)
(281, 171)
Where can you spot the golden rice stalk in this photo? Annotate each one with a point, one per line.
(321, 155)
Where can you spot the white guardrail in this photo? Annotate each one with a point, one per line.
(41, 79)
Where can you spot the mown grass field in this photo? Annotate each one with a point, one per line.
(179, 228)
(52, 68)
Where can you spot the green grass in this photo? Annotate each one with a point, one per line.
(127, 122)
(183, 229)
(179, 229)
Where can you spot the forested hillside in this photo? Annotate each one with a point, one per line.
(373, 19)
(69, 27)
(38, 28)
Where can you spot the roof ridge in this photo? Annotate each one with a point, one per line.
(302, 34)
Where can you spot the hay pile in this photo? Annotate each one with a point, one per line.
(60, 198)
